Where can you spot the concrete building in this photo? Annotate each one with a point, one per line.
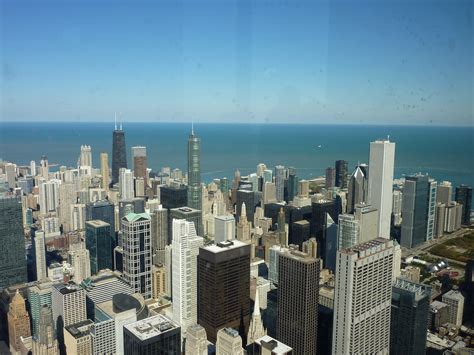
(280, 176)
(46, 343)
(185, 248)
(244, 225)
(39, 295)
(298, 293)
(463, 196)
(77, 338)
(410, 309)
(256, 329)
(136, 239)
(445, 192)
(126, 184)
(139, 162)
(224, 228)
(189, 214)
(223, 287)
(330, 180)
(39, 255)
(159, 233)
(341, 174)
(196, 340)
(381, 165)
(397, 199)
(362, 317)
(455, 301)
(69, 303)
(158, 280)
(229, 342)
(104, 170)
(153, 335)
(80, 261)
(18, 322)
(357, 228)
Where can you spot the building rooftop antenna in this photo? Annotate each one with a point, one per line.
(120, 120)
(192, 126)
(115, 120)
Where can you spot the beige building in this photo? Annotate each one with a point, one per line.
(18, 322)
(229, 342)
(196, 340)
(158, 280)
(77, 338)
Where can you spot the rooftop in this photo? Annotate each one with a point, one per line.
(135, 217)
(75, 329)
(224, 246)
(277, 347)
(98, 223)
(420, 290)
(370, 247)
(151, 327)
(299, 256)
(454, 295)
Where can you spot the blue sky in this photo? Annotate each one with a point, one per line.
(370, 62)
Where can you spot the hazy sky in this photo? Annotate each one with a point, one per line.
(404, 62)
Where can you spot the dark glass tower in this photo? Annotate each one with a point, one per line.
(358, 188)
(194, 172)
(119, 155)
(12, 258)
(100, 245)
(464, 196)
(410, 307)
(341, 174)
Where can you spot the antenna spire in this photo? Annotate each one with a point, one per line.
(115, 120)
(192, 126)
(120, 120)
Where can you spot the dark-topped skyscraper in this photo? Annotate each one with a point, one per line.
(119, 155)
(341, 174)
(464, 196)
(194, 172)
(358, 187)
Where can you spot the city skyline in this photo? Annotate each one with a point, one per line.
(270, 62)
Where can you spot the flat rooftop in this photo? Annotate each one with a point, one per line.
(224, 246)
(97, 223)
(298, 255)
(151, 327)
(277, 347)
(369, 247)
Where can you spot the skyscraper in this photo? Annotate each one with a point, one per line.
(224, 228)
(363, 293)
(119, 155)
(381, 165)
(196, 340)
(104, 170)
(358, 187)
(79, 258)
(455, 301)
(194, 173)
(410, 307)
(298, 295)
(139, 162)
(280, 175)
(229, 342)
(39, 255)
(341, 174)
(159, 234)
(330, 177)
(136, 241)
(46, 343)
(223, 286)
(18, 322)
(126, 187)
(100, 245)
(464, 196)
(69, 303)
(13, 258)
(39, 295)
(185, 248)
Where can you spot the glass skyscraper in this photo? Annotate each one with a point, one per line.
(100, 245)
(194, 172)
(119, 155)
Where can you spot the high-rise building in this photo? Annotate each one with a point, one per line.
(363, 294)
(292, 184)
(190, 215)
(44, 168)
(13, 259)
(33, 168)
(357, 228)
(341, 174)
(139, 162)
(358, 187)
(267, 345)
(173, 196)
(159, 234)
(119, 155)
(298, 294)
(410, 307)
(330, 180)
(100, 245)
(223, 286)
(185, 248)
(243, 226)
(126, 185)
(79, 258)
(397, 198)
(158, 280)
(49, 196)
(280, 175)
(224, 228)
(18, 322)
(194, 173)
(39, 255)
(455, 301)
(418, 210)
(85, 158)
(196, 340)
(39, 295)
(229, 342)
(104, 170)
(381, 165)
(445, 193)
(464, 196)
(69, 304)
(440, 220)
(320, 210)
(136, 239)
(77, 338)
(46, 343)
(153, 335)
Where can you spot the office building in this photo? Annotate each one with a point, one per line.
(410, 308)
(189, 214)
(46, 343)
(18, 322)
(397, 198)
(194, 173)
(320, 210)
(445, 193)
(224, 228)
(119, 155)
(79, 259)
(103, 333)
(133, 205)
(358, 187)
(418, 210)
(440, 220)
(464, 196)
(273, 261)
(173, 196)
(362, 316)
(438, 315)
(229, 342)
(39, 295)
(196, 340)
(100, 245)
(126, 184)
(158, 280)
(77, 338)
(49, 196)
(44, 167)
(330, 180)
(300, 232)
(381, 165)
(185, 248)
(298, 293)
(139, 162)
(341, 174)
(103, 210)
(69, 304)
(223, 287)
(39, 255)
(153, 335)
(455, 301)
(243, 226)
(85, 158)
(357, 228)
(136, 239)
(159, 233)
(104, 170)
(280, 176)
(13, 262)
(26, 184)
(292, 184)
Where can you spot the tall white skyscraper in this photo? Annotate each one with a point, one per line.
(39, 247)
(79, 259)
(137, 252)
(49, 196)
(363, 294)
(381, 165)
(85, 159)
(280, 175)
(126, 184)
(32, 168)
(185, 248)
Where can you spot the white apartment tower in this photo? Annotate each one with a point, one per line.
(224, 227)
(455, 301)
(137, 252)
(126, 184)
(185, 248)
(39, 246)
(69, 302)
(363, 294)
(381, 165)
